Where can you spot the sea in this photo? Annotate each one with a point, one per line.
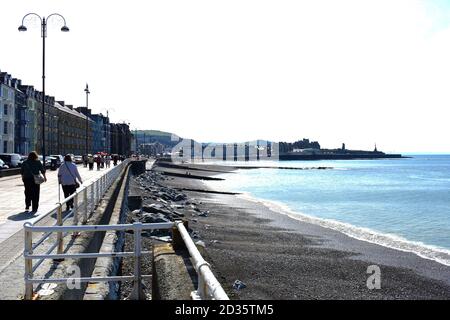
(398, 203)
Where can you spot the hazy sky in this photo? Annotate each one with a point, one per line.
(357, 72)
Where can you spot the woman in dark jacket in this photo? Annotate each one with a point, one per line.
(31, 167)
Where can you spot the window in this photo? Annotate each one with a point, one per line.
(5, 109)
(5, 127)
(5, 146)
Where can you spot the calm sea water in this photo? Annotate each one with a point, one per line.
(400, 203)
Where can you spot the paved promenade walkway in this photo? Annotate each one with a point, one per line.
(12, 218)
(12, 199)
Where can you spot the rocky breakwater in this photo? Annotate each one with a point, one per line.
(162, 204)
(159, 204)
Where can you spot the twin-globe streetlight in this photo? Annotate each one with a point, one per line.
(22, 28)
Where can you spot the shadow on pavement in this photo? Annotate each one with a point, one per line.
(25, 215)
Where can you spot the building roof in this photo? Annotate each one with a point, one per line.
(72, 112)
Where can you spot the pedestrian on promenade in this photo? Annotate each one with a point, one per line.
(31, 171)
(108, 161)
(116, 158)
(67, 177)
(91, 162)
(102, 161)
(85, 160)
(98, 161)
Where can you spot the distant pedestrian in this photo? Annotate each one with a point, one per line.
(67, 177)
(116, 158)
(98, 161)
(108, 161)
(85, 160)
(91, 162)
(102, 158)
(31, 171)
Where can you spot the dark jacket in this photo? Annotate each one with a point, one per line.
(30, 168)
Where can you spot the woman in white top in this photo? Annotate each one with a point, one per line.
(67, 177)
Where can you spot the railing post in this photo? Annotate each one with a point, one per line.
(59, 235)
(107, 179)
(28, 262)
(75, 209)
(85, 211)
(138, 293)
(201, 286)
(92, 198)
(97, 195)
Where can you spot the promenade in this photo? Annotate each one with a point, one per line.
(12, 199)
(13, 217)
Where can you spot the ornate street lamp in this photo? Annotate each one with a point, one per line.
(87, 118)
(64, 28)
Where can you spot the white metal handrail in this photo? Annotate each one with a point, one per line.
(96, 189)
(30, 256)
(208, 286)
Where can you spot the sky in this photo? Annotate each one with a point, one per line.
(358, 72)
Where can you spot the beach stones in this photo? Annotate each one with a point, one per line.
(154, 218)
(238, 285)
(152, 208)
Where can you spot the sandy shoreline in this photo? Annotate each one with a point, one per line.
(278, 257)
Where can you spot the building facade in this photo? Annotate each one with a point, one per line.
(91, 131)
(51, 124)
(7, 113)
(23, 120)
(72, 130)
(24, 139)
(102, 133)
(120, 139)
(26, 124)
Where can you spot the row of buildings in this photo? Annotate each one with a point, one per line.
(68, 129)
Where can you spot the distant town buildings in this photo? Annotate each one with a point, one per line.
(152, 149)
(65, 126)
(299, 146)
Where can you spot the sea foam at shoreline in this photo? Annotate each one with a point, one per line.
(399, 204)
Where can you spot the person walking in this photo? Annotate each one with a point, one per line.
(67, 177)
(98, 161)
(31, 171)
(91, 162)
(85, 160)
(116, 158)
(108, 161)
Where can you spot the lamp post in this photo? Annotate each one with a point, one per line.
(64, 28)
(87, 118)
(108, 131)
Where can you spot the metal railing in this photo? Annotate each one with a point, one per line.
(208, 286)
(84, 202)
